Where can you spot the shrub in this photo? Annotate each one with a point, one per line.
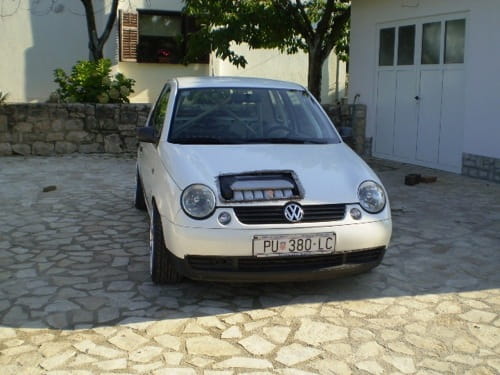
(91, 82)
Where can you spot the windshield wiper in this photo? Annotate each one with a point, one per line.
(302, 141)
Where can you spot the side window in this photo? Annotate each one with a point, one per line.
(406, 45)
(454, 42)
(386, 47)
(158, 118)
(431, 43)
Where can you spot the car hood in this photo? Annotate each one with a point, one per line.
(328, 173)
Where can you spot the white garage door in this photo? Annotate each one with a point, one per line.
(420, 91)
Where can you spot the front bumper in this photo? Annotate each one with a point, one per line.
(184, 241)
(296, 268)
(226, 254)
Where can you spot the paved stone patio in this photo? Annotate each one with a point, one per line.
(75, 296)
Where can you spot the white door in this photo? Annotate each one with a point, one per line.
(420, 90)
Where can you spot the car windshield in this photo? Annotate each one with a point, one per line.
(248, 115)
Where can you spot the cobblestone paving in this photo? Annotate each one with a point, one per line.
(75, 297)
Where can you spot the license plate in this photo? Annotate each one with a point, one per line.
(294, 244)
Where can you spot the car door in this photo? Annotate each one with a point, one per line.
(148, 152)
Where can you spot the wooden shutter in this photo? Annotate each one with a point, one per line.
(129, 36)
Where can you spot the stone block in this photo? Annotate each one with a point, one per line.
(105, 111)
(5, 149)
(43, 148)
(91, 148)
(41, 126)
(142, 119)
(359, 111)
(6, 137)
(113, 144)
(51, 137)
(131, 144)
(20, 112)
(496, 176)
(65, 148)
(486, 162)
(14, 138)
(91, 124)
(38, 112)
(89, 110)
(23, 127)
(3, 123)
(107, 124)
(128, 129)
(466, 161)
(31, 137)
(73, 124)
(58, 125)
(76, 110)
(79, 137)
(128, 117)
(21, 149)
(57, 111)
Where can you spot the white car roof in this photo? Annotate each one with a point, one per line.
(244, 82)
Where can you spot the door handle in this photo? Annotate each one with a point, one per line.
(140, 148)
(417, 97)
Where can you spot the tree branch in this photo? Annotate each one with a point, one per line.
(326, 18)
(91, 27)
(306, 22)
(109, 25)
(337, 28)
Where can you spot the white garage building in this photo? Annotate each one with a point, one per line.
(429, 73)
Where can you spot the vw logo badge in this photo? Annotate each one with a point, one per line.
(293, 212)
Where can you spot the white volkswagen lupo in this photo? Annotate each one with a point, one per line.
(248, 180)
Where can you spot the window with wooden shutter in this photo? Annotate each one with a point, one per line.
(129, 36)
(156, 36)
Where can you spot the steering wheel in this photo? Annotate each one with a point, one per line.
(278, 128)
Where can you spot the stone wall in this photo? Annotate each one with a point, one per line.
(352, 117)
(46, 129)
(481, 167)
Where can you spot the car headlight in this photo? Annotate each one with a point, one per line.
(198, 201)
(371, 196)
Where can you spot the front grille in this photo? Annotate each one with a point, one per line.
(274, 214)
(285, 263)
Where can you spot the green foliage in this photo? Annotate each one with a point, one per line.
(91, 82)
(288, 25)
(3, 97)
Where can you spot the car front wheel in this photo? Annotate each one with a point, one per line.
(160, 267)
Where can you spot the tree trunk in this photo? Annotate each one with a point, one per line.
(96, 44)
(315, 72)
(95, 53)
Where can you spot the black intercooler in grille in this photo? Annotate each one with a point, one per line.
(285, 263)
(275, 215)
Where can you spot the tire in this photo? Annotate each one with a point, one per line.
(160, 267)
(140, 202)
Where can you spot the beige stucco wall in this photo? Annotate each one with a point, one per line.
(40, 36)
(276, 65)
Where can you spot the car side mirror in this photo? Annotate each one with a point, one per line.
(147, 134)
